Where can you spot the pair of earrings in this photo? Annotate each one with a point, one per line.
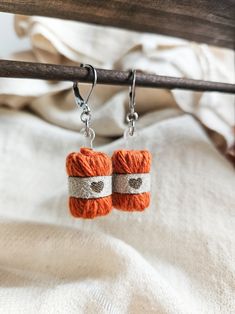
(97, 182)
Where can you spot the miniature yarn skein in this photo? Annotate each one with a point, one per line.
(89, 178)
(131, 179)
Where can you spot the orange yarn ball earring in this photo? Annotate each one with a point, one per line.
(89, 172)
(131, 168)
(89, 183)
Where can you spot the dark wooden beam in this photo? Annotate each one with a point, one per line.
(211, 22)
(54, 72)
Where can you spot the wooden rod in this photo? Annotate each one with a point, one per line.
(210, 21)
(19, 69)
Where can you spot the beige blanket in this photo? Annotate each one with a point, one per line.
(176, 257)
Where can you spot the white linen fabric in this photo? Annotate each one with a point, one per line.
(178, 256)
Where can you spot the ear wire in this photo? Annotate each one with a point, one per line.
(81, 103)
(132, 115)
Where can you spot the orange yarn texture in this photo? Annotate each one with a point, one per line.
(88, 163)
(131, 161)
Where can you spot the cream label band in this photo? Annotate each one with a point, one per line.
(133, 183)
(90, 187)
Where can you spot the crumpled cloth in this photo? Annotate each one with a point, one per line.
(178, 256)
(175, 257)
(67, 42)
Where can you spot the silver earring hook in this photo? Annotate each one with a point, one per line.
(132, 91)
(78, 98)
(132, 116)
(94, 78)
(81, 103)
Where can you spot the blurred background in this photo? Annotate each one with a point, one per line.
(10, 41)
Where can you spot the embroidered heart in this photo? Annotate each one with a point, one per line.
(135, 183)
(97, 186)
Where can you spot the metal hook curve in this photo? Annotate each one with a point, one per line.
(89, 66)
(80, 101)
(132, 116)
(132, 91)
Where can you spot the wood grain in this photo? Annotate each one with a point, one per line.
(54, 72)
(211, 22)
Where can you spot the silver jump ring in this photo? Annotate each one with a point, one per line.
(132, 116)
(85, 116)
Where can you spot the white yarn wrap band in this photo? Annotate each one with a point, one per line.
(134, 183)
(90, 187)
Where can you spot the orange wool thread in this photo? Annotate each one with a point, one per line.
(88, 163)
(128, 162)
